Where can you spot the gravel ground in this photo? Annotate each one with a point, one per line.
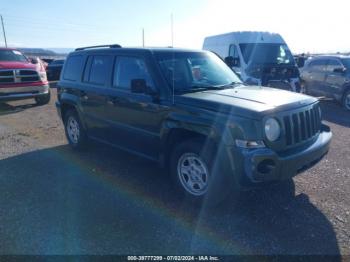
(103, 201)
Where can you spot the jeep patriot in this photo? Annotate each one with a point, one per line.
(188, 111)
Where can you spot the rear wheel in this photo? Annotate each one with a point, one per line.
(44, 99)
(75, 132)
(346, 100)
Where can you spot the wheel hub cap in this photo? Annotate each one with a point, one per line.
(347, 102)
(73, 129)
(193, 174)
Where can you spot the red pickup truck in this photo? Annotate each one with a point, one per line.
(21, 78)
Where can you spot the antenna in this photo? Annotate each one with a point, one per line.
(3, 30)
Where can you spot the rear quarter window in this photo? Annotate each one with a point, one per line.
(73, 68)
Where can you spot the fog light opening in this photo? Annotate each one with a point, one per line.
(266, 166)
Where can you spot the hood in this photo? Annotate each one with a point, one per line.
(253, 101)
(16, 65)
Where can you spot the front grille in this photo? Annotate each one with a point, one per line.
(301, 126)
(18, 76)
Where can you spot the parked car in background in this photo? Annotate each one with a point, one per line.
(260, 58)
(188, 111)
(22, 78)
(47, 60)
(54, 69)
(328, 76)
(301, 59)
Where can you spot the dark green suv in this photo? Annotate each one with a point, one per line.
(188, 111)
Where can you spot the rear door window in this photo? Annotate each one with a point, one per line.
(98, 69)
(318, 65)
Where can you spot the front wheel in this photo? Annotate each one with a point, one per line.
(194, 174)
(44, 99)
(303, 88)
(346, 100)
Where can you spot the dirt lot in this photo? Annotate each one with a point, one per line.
(104, 201)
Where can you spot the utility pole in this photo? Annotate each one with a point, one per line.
(172, 30)
(143, 37)
(3, 30)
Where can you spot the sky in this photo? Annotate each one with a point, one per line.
(306, 26)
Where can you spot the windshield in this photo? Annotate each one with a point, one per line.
(266, 54)
(12, 55)
(346, 62)
(190, 71)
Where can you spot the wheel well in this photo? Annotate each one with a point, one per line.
(65, 108)
(177, 136)
(346, 89)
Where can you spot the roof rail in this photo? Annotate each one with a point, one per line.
(98, 46)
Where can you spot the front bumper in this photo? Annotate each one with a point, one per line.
(261, 165)
(23, 92)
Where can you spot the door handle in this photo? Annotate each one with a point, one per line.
(83, 95)
(112, 100)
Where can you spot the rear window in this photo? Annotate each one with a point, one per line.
(73, 68)
(57, 62)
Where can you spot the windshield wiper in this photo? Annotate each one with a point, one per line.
(230, 85)
(199, 88)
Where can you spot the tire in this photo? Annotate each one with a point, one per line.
(346, 100)
(75, 132)
(43, 100)
(193, 175)
(303, 88)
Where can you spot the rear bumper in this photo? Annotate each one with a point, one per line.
(58, 108)
(262, 165)
(23, 92)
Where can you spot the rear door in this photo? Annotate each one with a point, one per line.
(334, 80)
(135, 118)
(93, 99)
(315, 76)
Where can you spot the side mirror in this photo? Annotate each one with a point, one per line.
(232, 62)
(236, 62)
(229, 61)
(339, 70)
(34, 61)
(138, 86)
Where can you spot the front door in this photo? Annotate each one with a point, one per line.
(136, 119)
(316, 77)
(334, 79)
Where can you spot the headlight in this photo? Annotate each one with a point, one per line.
(272, 129)
(43, 76)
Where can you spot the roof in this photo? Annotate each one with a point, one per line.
(246, 37)
(330, 56)
(138, 49)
